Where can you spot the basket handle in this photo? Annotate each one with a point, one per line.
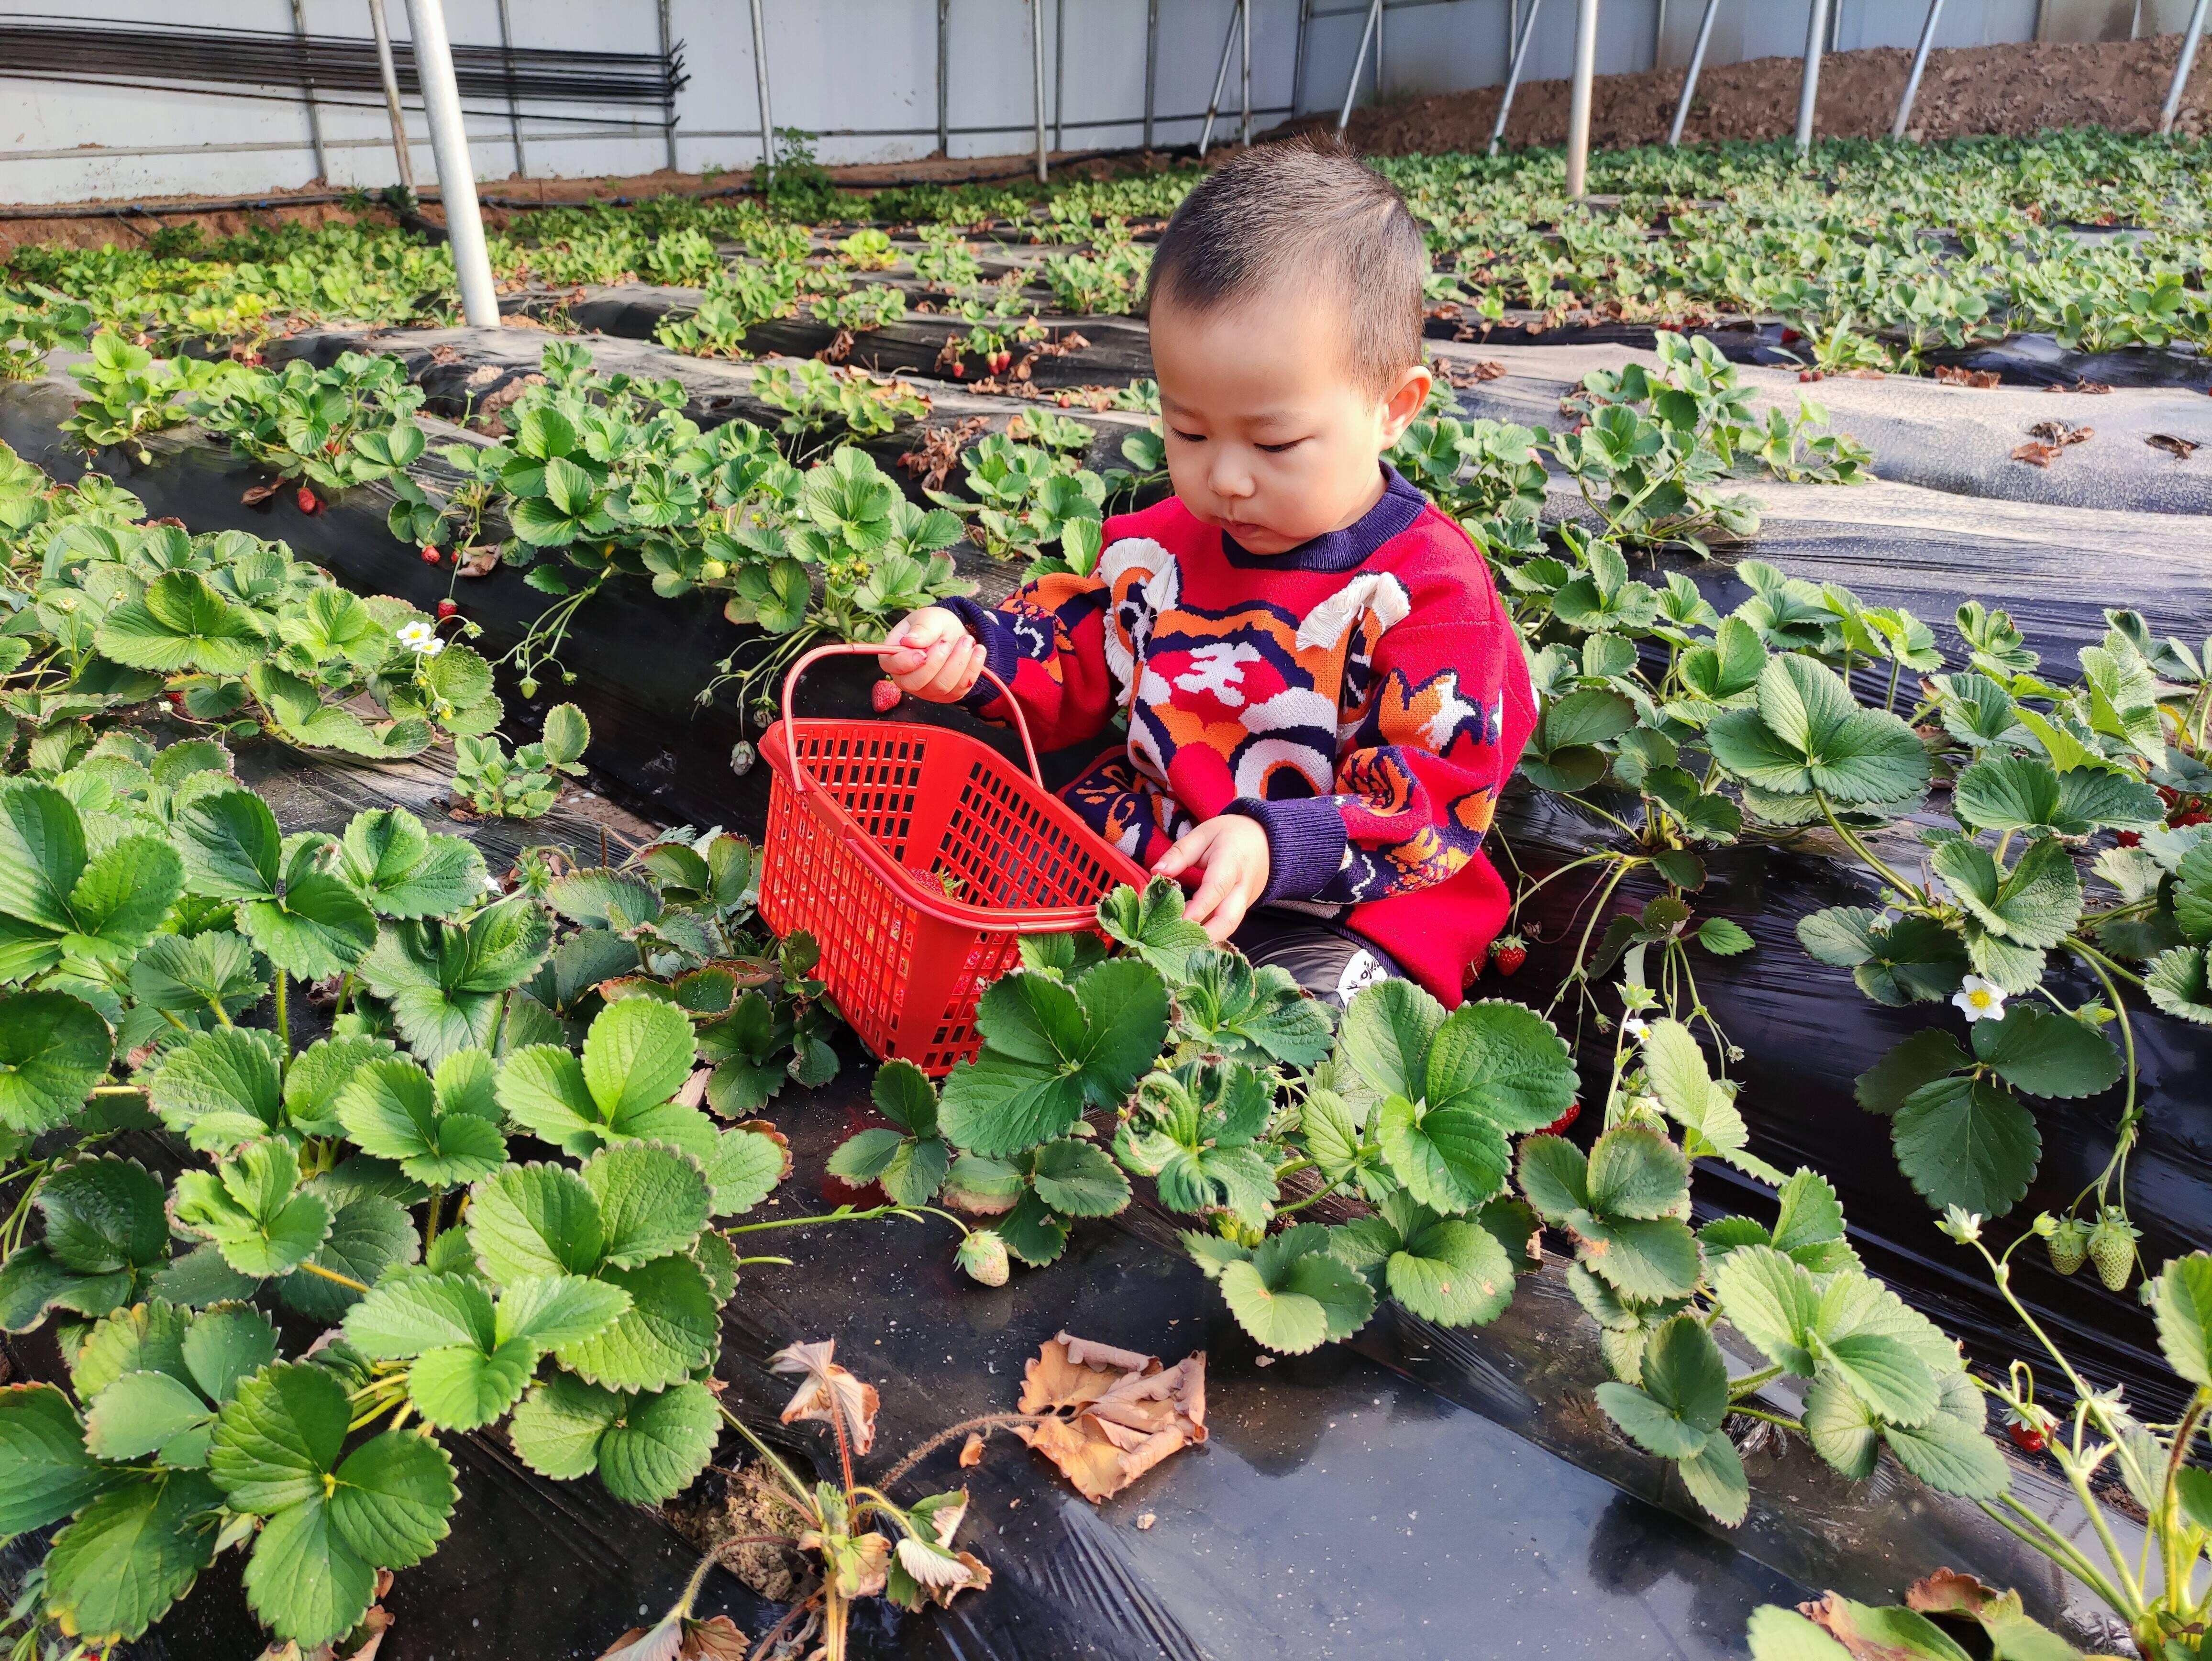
(856, 649)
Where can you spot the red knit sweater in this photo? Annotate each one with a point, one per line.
(1363, 697)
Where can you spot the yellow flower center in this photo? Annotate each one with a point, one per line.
(1980, 998)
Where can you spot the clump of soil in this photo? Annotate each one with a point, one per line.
(736, 1506)
(2013, 89)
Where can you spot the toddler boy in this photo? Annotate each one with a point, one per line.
(1324, 695)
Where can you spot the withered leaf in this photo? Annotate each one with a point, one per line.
(1951, 375)
(971, 1451)
(828, 1393)
(767, 1127)
(1946, 1591)
(1115, 1413)
(480, 561)
(2035, 454)
(2179, 448)
(255, 494)
(2061, 433)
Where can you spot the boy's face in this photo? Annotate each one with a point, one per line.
(1270, 437)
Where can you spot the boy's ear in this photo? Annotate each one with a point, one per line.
(1404, 402)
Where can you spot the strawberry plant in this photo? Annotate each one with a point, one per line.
(521, 786)
(130, 393)
(329, 429)
(28, 333)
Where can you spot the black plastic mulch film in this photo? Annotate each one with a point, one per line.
(1416, 1493)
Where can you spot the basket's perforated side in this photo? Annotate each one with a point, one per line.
(1013, 856)
(970, 816)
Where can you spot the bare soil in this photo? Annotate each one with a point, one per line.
(2014, 90)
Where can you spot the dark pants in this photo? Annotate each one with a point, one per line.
(1329, 962)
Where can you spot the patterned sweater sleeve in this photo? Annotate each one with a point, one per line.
(1437, 713)
(1047, 641)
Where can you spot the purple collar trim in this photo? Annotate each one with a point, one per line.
(1350, 548)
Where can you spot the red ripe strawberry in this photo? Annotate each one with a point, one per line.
(1508, 953)
(884, 695)
(2194, 816)
(306, 498)
(1558, 1126)
(960, 372)
(447, 609)
(430, 553)
(2025, 1437)
(2128, 838)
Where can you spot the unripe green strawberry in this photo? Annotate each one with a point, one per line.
(2069, 1245)
(983, 1257)
(2112, 1249)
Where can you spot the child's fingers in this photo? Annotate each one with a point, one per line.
(1186, 852)
(1215, 896)
(958, 672)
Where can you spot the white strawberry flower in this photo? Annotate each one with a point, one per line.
(1979, 999)
(421, 637)
(1634, 1027)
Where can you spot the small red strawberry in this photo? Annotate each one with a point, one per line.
(430, 555)
(2026, 1435)
(2128, 838)
(960, 372)
(1000, 361)
(307, 501)
(177, 699)
(1558, 1126)
(1508, 953)
(447, 609)
(884, 695)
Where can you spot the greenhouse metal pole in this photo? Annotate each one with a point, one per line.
(1697, 63)
(506, 63)
(1220, 80)
(2189, 44)
(1919, 67)
(943, 68)
(314, 111)
(457, 180)
(760, 81)
(1244, 38)
(1809, 89)
(1297, 56)
(1152, 64)
(391, 105)
(1513, 76)
(1360, 63)
(1578, 104)
(1060, 75)
(1037, 84)
(668, 104)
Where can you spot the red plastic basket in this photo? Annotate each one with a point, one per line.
(864, 818)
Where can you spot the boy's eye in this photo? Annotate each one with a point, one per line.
(1187, 438)
(1277, 449)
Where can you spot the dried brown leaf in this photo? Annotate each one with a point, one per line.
(480, 561)
(2179, 448)
(1474, 373)
(1115, 1413)
(2061, 433)
(828, 1393)
(2035, 454)
(255, 494)
(695, 1087)
(1951, 375)
(971, 1451)
(1946, 1591)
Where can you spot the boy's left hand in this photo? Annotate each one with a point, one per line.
(1233, 851)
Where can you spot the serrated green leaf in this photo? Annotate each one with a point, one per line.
(1843, 1429)
(659, 1443)
(278, 1437)
(404, 870)
(557, 1428)
(1078, 1178)
(2181, 1296)
(1385, 1037)
(1782, 1634)
(129, 1554)
(1453, 1273)
(746, 1167)
(671, 1328)
(369, 1233)
(653, 1201)
(1774, 1302)
(1501, 1060)
(1967, 1142)
(1885, 1373)
(142, 1412)
(53, 1049)
(399, 1318)
(535, 1219)
(45, 1472)
(219, 1088)
(247, 1207)
(2047, 1054)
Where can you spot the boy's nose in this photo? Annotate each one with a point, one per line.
(1232, 480)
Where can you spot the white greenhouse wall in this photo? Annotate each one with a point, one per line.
(863, 75)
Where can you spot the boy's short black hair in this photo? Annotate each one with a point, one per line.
(1307, 208)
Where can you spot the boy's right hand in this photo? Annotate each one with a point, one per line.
(938, 660)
